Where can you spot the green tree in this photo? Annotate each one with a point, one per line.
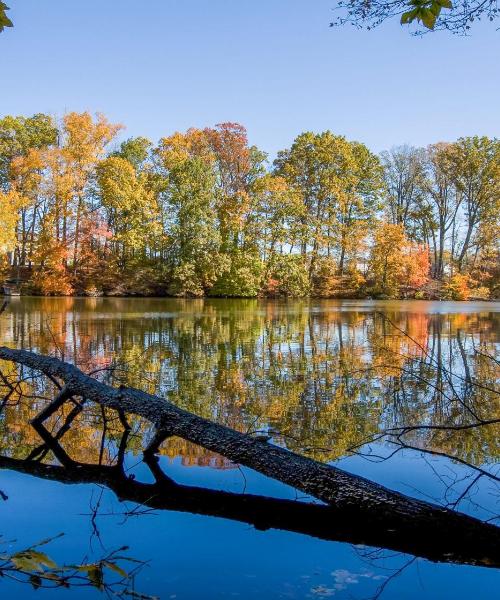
(475, 171)
(194, 238)
(136, 151)
(339, 183)
(287, 275)
(131, 211)
(242, 278)
(275, 223)
(19, 135)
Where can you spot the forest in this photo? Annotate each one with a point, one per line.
(204, 213)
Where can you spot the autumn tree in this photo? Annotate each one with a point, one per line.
(194, 238)
(130, 214)
(386, 260)
(417, 264)
(339, 183)
(21, 135)
(51, 278)
(475, 171)
(8, 221)
(404, 168)
(22, 139)
(396, 262)
(27, 198)
(443, 201)
(52, 174)
(228, 144)
(457, 287)
(203, 213)
(84, 141)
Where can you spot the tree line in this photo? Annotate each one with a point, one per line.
(205, 213)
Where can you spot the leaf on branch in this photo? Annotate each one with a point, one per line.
(4, 19)
(435, 9)
(43, 559)
(24, 562)
(95, 575)
(428, 18)
(425, 11)
(114, 567)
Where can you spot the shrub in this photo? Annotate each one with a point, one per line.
(324, 278)
(327, 283)
(242, 279)
(287, 276)
(457, 288)
(185, 281)
(480, 293)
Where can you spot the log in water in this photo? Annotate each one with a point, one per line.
(423, 528)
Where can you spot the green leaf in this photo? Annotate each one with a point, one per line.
(43, 559)
(4, 19)
(114, 567)
(435, 9)
(445, 3)
(427, 18)
(25, 563)
(410, 16)
(95, 575)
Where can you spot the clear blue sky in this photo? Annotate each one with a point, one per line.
(274, 65)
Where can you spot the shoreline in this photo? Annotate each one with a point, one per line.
(260, 298)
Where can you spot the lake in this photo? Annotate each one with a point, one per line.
(321, 377)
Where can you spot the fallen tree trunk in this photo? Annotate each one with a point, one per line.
(454, 532)
(351, 526)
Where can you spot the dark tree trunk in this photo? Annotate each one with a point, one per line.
(397, 512)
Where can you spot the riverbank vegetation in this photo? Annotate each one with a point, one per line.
(204, 213)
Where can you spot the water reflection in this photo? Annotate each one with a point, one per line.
(321, 377)
(464, 542)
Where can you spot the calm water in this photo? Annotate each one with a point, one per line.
(319, 377)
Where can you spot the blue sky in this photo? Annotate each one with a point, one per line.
(274, 65)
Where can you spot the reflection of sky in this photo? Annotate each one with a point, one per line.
(204, 558)
(217, 558)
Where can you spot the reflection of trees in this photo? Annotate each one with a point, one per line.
(319, 380)
(468, 541)
(452, 390)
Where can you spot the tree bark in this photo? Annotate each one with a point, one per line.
(397, 512)
(324, 522)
